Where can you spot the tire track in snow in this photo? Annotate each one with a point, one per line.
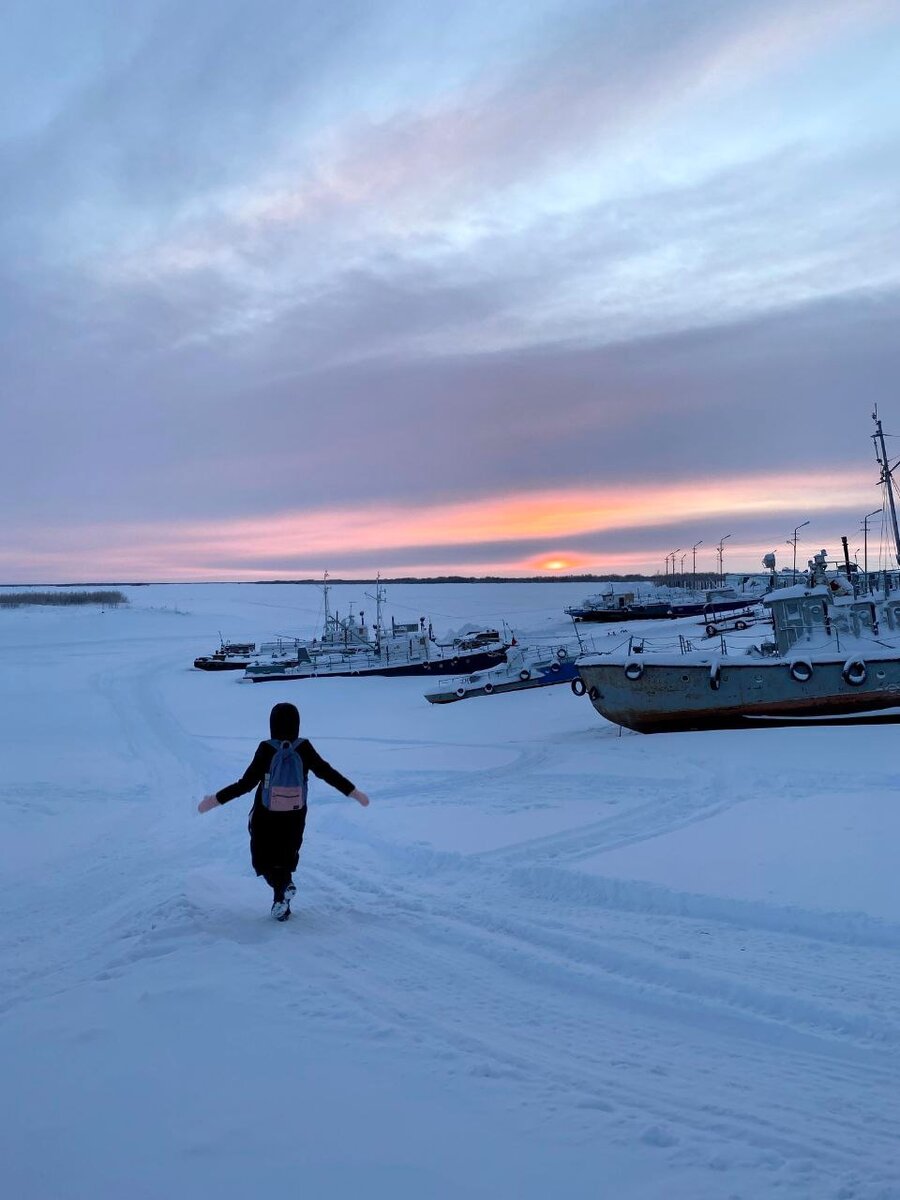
(478, 1024)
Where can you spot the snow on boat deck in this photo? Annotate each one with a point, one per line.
(549, 959)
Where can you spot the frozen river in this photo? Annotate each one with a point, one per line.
(549, 959)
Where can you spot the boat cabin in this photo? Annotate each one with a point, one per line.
(816, 616)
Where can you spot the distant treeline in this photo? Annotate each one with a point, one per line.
(473, 579)
(685, 580)
(367, 579)
(21, 599)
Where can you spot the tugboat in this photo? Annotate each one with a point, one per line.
(835, 655)
(405, 648)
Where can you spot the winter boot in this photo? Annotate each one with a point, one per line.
(281, 909)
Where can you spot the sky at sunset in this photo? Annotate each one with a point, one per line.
(428, 288)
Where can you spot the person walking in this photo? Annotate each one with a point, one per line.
(278, 816)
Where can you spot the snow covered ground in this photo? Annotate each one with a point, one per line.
(549, 959)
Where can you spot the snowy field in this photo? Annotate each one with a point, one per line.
(549, 960)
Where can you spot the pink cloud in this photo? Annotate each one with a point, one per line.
(246, 548)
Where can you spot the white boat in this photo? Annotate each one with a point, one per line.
(525, 667)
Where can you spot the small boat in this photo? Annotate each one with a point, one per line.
(525, 667)
(237, 656)
(834, 656)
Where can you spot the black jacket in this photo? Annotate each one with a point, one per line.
(255, 774)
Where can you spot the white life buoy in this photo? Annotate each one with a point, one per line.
(460, 691)
(524, 674)
(488, 688)
(562, 654)
(634, 670)
(854, 672)
(801, 670)
(555, 668)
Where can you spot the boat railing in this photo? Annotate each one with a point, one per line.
(635, 644)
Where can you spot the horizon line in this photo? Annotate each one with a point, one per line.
(587, 577)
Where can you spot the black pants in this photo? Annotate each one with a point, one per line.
(275, 841)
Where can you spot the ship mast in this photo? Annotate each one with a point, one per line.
(379, 597)
(887, 479)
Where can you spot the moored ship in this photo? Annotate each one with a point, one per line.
(346, 635)
(401, 648)
(656, 604)
(835, 654)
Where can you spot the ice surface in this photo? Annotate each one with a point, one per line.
(547, 960)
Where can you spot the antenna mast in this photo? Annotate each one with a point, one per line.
(887, 479)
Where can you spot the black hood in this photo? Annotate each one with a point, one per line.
(284, 722)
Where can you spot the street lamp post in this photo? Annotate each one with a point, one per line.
(674, 552)
(866, 543)
(793, 542)
(720, 552)
(694, 549)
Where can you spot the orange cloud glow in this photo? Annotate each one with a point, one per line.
(445, 534)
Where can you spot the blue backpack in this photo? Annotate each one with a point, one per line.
(284, 787)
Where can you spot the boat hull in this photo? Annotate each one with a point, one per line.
(655, 612)
(565, 673)
(221, 664)
(735, 692)
(464, 663)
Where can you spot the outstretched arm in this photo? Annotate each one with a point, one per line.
(254, 775)
(325, 771)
